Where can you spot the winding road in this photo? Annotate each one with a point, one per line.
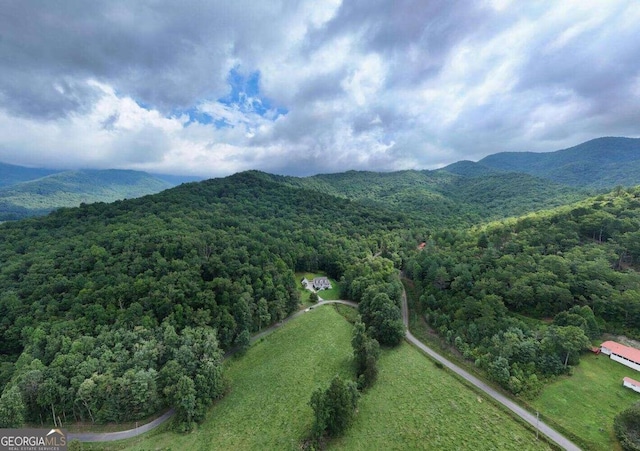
(551, 433)
(545, 429)
(121, 435)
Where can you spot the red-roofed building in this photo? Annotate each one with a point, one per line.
(621, 353)
(630, 383)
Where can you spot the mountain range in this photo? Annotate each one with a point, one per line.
(601, 163)
(147, 293)
(503, 183)
(26, 192)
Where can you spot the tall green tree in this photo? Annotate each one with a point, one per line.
(383, 319)
(335, 407)
(366, 351)
(627, 428)
(185, 403)
(12, 408)
(567, 341)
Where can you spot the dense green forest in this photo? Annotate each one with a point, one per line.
(522, 297)
(109, 294)
(602, 163)
(442, 198)
(109, 312)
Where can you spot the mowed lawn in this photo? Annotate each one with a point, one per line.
(327, 295)
(587, 402)
(267, 407)
(415, 405)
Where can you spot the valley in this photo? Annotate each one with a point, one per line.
(406, 409)
(113, 312)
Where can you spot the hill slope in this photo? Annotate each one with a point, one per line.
(442, 198)
(71, 188)
(211, 262)
(11, 174)
(599, 163)
(268, 406)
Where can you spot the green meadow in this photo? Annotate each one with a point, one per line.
(270, 387)
(413, 405)
(586, 402)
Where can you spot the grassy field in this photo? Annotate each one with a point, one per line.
(583, 404)
(267, 407)
(415, 405)
(586, 402)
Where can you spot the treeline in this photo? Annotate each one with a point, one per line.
(213, 256)
(375, 285)
(115, 375)
(445, 198)
(522, 297)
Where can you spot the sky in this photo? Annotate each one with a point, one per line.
(210, 88)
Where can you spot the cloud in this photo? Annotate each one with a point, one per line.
(302, 87)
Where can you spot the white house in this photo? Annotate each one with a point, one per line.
(321, 283)
(623, 354)
(632, 384)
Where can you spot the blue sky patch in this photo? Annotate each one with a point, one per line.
(244, 96)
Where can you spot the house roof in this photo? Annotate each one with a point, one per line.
(632, 354)
(631, 381)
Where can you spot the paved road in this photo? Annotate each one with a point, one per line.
(522, 413)
(320, 302)
(121, 435)
(554, 435)
(112, 436)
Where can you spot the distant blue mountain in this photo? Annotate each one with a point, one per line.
(11, 174)
(600, 163)
(176, 180)
(71, 188)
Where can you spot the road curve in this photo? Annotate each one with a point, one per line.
(522, 413)
(121, 435)
(551, 433)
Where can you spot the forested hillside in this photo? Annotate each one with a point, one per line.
(71, 188)
(522, 297)
(442, 198)
(602, 163)
(11, 174)
(104, 306)
(109, 312)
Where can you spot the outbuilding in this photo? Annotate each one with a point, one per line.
(632, 384)
(623, 354)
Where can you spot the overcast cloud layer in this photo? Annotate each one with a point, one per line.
(304, 87)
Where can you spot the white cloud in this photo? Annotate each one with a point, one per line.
(365, 86)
